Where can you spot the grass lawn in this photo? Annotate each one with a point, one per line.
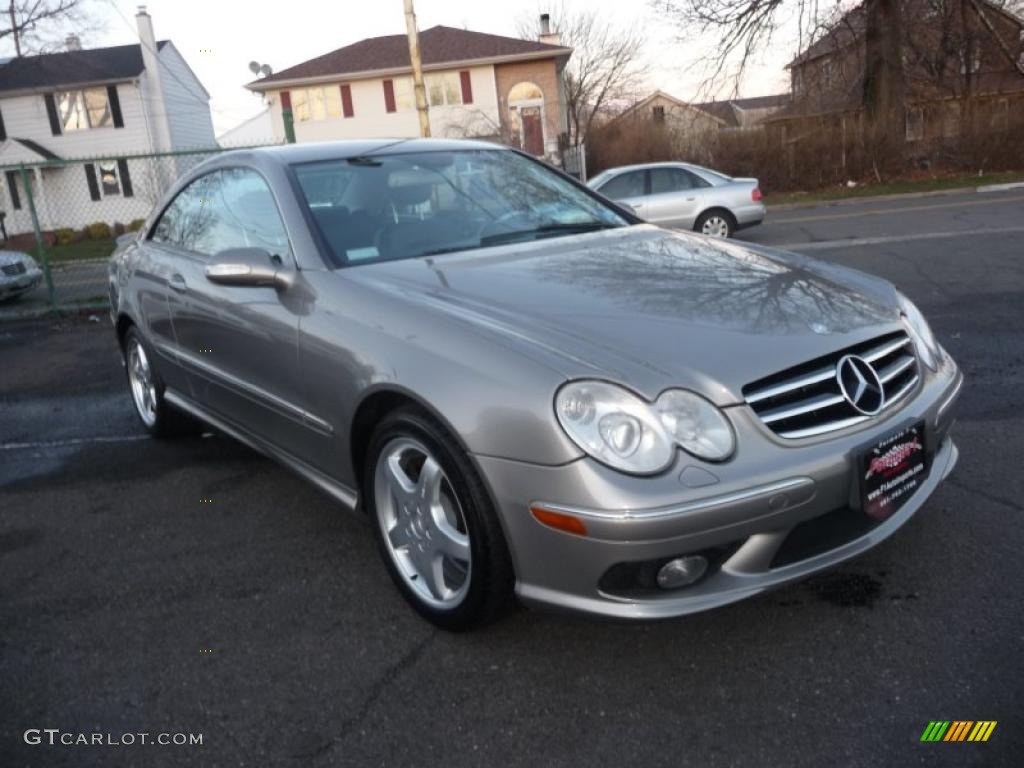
(904, 186)
(80, 251)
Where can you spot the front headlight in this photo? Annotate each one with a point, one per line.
(927, 345)
(627, 433)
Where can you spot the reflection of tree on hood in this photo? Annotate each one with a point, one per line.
(719, 281)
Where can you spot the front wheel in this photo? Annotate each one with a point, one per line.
(434, 522)
(716, 223)
(147, 390)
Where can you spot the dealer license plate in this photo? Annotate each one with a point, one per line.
(891, 470)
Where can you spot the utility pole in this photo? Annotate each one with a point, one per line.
(15, 32)
(417, 69)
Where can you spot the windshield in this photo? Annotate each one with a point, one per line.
(384, 207)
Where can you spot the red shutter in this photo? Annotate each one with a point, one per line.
(286, 99)
(346, 101)
(389, 95)
(467, 87)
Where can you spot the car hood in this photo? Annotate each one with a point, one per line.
(650, 308)
(12, 257)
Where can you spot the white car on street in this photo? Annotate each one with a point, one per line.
(684, 195)
(19, 274)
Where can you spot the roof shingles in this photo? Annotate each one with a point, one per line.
(438, 45)
(53, 70)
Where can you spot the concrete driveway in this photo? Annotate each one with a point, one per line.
(263, 620)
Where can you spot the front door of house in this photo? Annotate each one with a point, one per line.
(533, 131)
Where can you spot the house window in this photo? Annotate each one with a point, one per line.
(975, 61)
(405, 98)
(108, 179)
(316, 103)
(658, 113)
(525, 92)
(444, 89)
(915, 124)
(828, 73)
(81, 110)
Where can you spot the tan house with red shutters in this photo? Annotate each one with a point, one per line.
(478, 85)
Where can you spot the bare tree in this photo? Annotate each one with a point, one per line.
(35, 26)
(744, 28)
(606, 64)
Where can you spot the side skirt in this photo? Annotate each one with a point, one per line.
(347, 496)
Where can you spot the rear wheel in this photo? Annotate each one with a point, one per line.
(435, 524)
(147, 390)
(716, 222)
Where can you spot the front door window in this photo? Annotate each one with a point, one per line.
(526, 113)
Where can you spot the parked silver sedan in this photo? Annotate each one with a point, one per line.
(684, 195)
(19, 274)
(526, 389)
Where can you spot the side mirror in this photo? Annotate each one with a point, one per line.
(247, 266)
(627, 208)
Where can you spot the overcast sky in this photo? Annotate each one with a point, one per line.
(286, 32)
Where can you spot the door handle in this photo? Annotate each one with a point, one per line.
(177, 283)
(690, 199)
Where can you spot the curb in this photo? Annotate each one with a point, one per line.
(1001, 187)
(37, 312)
(899, 196)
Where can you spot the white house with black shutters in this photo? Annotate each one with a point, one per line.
(76, 118)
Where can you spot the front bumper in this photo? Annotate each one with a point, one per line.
(745, 509)
(14, 286)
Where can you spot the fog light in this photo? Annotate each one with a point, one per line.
(682, 571)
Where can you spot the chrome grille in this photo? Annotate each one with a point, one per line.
(806, 400)
(17, 268)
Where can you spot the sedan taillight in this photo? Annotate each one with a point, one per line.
(755, 195)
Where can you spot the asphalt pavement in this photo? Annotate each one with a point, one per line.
(192, 586)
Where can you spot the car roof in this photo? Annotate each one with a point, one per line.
(645, 166)
(292, 154)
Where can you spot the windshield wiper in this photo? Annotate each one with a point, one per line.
(447, 249)
(547, 230)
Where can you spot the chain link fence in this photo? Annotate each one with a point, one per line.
(67, 215)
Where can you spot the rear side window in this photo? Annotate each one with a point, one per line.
(664, 180)
(229, 208)
(624, 185)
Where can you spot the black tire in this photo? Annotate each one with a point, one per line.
(716, 214)
(165, 420)
(491, 578)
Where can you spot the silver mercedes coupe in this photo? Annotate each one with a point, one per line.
(528, 391)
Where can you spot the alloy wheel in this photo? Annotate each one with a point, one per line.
(716, 226)
(422, 522)
(140, 377)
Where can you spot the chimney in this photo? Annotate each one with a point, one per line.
(145, 26)
(149, 82)
(546, 35)
(72, 43)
